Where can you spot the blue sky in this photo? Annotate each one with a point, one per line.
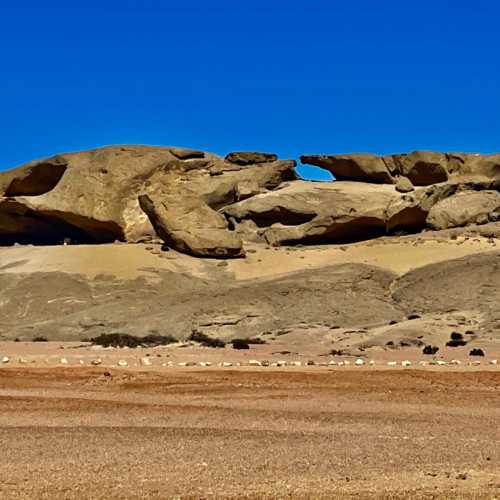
(285, 77)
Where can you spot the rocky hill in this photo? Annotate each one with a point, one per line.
(137, 239)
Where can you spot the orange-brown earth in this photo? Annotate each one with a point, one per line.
(105, 433)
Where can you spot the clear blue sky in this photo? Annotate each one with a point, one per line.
(280, 76)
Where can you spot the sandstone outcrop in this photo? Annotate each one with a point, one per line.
(208, 206)
(93, 196)
(422, 168)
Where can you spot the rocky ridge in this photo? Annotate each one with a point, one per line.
(204, 205)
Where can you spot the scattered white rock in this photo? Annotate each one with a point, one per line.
(406, 362)
(146, 361)
(5, 359)
(475, 363)
(493, 361)
(182, 363)
(82, 362)
(254, 362)
(122, 362)
(455, 362)
(347, 362)
(96, 362)
(281, 363)
(359, 362)
(205, 363)
(341, 363)
(439, 362)
(22, 360)
(296, 363)
(63, 361)
(226, 364)
(392, 363)
(422, 363)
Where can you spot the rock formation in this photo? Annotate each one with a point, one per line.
(208, 206)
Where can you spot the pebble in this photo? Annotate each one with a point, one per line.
(392, 363)
(295, 363)
(494, 362)
(146, 362)
(22, 360)
(254, 362)
(359, 362)
(226, 364)
(332, 363)
(372, 362)
(281, 363)
(205, 363)
(405, 363)
(455, 362)
(122, 362)
(96, 362)
(5, 359)
(64, 361)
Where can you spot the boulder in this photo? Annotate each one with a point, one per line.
(247, 158)
(190, 226)
(309, 212)
(463, 208)
(404, 185)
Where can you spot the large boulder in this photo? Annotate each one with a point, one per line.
(92, 196)
(191, 226)
(464, 208)
(309, 212)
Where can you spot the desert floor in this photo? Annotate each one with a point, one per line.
(316, 432)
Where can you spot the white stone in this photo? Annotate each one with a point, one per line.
(440, 362)
(205, 363)
(22, 360)
(64, 361)
(406, 363)
(5, 359)
(296, 363)
(146, 361)
(455, 362)
(96, 362)
(341, 363)
(281, 363)
(493, 361)
(254, 362)
(226, 364)
(122, 362)
(392, 363)
(332, 363)
(182, 363)
(359, 362)
(347, 362)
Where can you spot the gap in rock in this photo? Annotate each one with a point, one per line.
(313, 173)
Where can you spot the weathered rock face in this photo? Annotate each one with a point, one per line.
(422, 168)
(191, 227)
(463, 208)
(93, 196)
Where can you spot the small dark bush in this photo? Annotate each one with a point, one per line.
(126, 340)
(256, 340)
(413, 316)
(240, 344)
(336, 352)
(40, 339)
(456, 343)
(205, 340)
(456, 336)
(430, 349)
(476, 352)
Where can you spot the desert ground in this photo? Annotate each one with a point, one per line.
(249, 433)
(288, 418)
